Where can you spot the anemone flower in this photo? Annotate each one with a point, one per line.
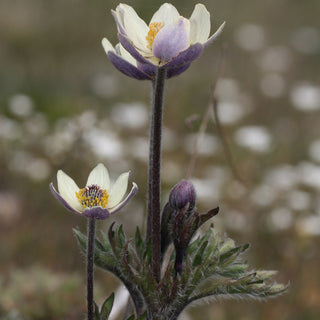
(170, 41)
(97, 199)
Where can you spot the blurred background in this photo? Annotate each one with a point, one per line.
(63, 105)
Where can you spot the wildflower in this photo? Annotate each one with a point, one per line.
(97, 199)
(170, 41)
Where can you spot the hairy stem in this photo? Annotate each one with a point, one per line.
(90, 259)
(154, 179)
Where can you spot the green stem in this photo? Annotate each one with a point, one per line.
(154, 180)
(90, 258)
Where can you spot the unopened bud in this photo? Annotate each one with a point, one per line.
(183, 194)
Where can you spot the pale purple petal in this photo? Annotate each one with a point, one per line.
(172, 72)
(126, 43)
(215, 35)
(149, 69)
(171, 40)
(96, 213)
(126, 200)
(61, 200)
(187, 56)
(126, 67)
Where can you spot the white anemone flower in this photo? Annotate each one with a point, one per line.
(97, 199)
(169, 41)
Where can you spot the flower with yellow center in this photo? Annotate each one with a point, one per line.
(169, 41)
(97, 199)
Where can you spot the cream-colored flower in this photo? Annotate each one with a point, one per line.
(97, 199)
(169, 41)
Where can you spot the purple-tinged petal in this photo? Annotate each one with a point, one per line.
(126, 43)
(126, 67)
(215, 35)
(96, 213)
(172, 72)
(171, 40)
(119, 21)
(149, 69)
(125, 201)
(61, 200)
(187, 56)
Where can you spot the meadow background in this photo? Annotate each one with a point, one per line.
(63, 105)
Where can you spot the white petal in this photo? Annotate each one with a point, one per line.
(67, 189)
(167, 14)
(118, 190)
(107, 46)
(127, 198)
(99, 176)
(119, 20)
(125, 54)
(199, 24)
(135, 28)
(215, 35)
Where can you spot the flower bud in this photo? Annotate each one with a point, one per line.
(183, 194)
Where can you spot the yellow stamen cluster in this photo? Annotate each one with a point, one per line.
(92, 196)
(154, 28)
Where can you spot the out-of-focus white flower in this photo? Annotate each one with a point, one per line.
(170, 40)
(97, 199)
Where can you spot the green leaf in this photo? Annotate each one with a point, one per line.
(232, 253)
(99, 245)
(143, 316)
(96, 312)
(148, 251)
(198, 258)
(131, 317)
(121, 237)
(226, 246)
(107, 307)
(82, 240)
(139, 243)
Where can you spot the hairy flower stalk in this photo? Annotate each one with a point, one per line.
(90, 271)
(154, 179)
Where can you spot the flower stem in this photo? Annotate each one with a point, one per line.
(90, 258)
(154, 182)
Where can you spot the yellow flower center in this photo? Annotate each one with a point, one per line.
(92, 196)
(154, 28)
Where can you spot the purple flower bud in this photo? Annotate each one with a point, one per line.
(183, 194)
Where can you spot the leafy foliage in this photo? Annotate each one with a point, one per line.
(213, 269)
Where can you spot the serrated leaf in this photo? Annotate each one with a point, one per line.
(107, 307)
